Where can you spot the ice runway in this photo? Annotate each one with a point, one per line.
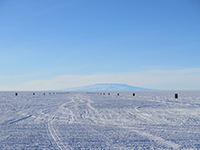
(82, 120)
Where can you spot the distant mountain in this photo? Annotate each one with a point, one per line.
(106, 87)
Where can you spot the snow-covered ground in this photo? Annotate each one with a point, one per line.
(81, 120)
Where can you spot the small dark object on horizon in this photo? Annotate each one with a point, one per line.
(15, 94)
(108, 93)
(33, 93)
(117, 94)
(176, 95)
(133, 94)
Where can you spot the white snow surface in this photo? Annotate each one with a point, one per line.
(96, 120)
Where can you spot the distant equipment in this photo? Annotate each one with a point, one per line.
(15, 94)
(133, 94)
(176, 95)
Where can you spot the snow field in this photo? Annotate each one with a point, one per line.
(97, 120)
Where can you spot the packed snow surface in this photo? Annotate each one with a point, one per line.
(100, 120)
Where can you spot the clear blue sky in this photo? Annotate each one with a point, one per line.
(47, 44)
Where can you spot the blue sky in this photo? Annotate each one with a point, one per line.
(49, 44)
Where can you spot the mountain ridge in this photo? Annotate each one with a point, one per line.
(106, 87)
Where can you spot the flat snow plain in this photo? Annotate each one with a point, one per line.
(82, 120)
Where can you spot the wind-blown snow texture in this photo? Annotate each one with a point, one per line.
(81, 120)
(106, 87)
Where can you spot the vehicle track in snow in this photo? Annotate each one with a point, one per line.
(71, 114)
(80, 112)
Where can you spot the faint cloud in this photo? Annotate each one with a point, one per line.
(185, 79)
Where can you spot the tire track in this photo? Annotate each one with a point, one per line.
(80, 111)
(55, 133)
